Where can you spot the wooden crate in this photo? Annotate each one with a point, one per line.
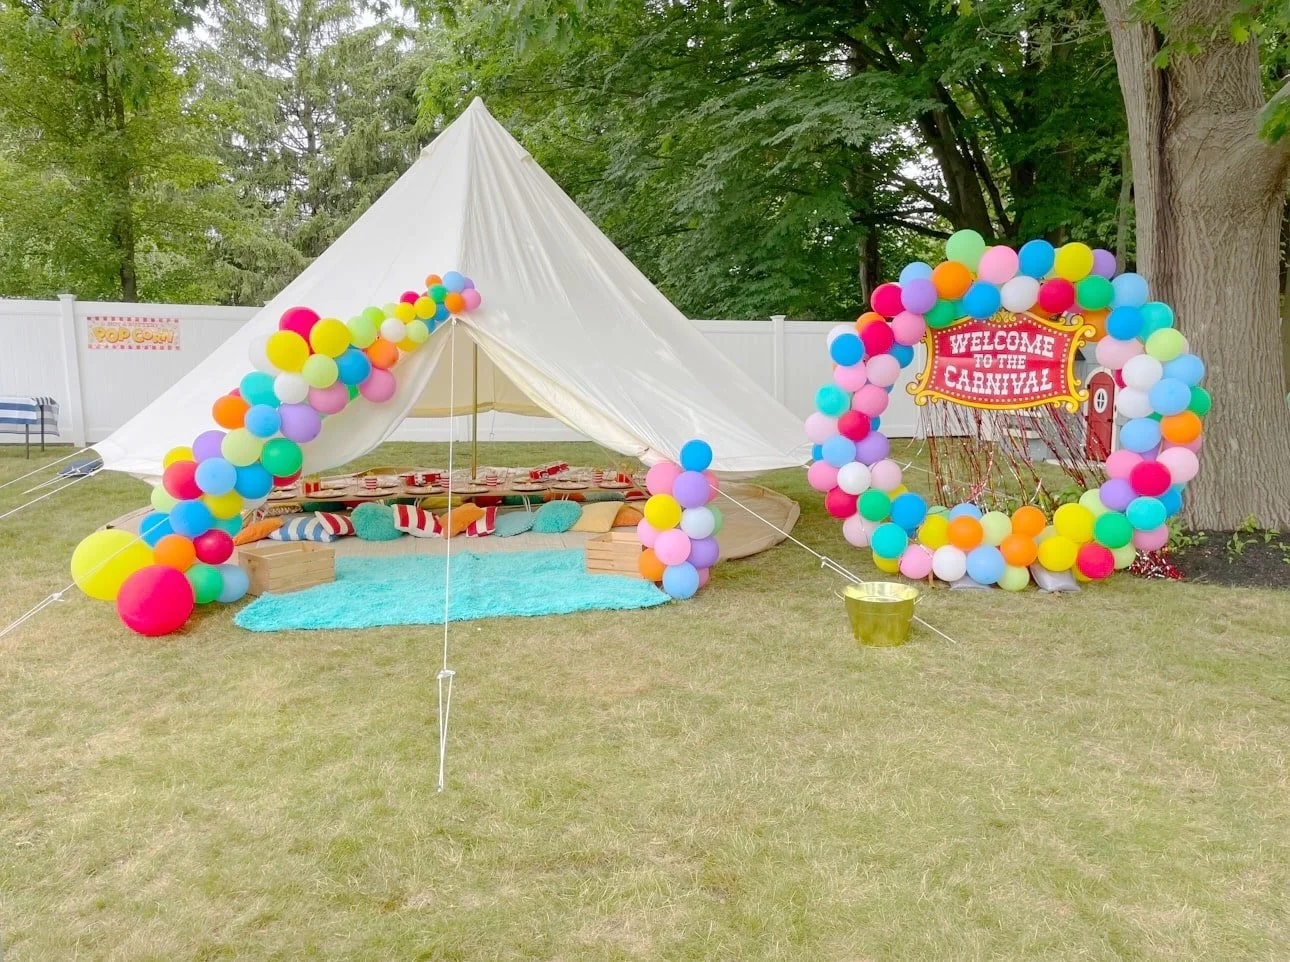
(280, 566)
(615, 553)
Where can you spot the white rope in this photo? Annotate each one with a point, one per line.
(76, 480)
(445, 673)
(43, 467)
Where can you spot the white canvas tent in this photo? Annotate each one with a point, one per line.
(568, 326)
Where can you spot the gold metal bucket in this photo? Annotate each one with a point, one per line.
(880, 612)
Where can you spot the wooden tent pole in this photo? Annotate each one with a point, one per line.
(474, 412)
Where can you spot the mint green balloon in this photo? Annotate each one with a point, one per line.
(996, 526)
(362, 329)
(1014, 578)
(320, 371)
(241, 448)
(1166, 344)
(1201, 402)
(943, 314)
(966, 247)
(1092, 500)
(162, 501)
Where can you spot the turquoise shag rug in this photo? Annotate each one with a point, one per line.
(372, 592)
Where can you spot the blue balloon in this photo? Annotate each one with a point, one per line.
(1036, 258)
(353, 367)
(454, 281)
(981, 300)
(232, 525)
(442, 314)
(1187, 368)
(191, 518)
(1124, 323)
(217, 476)
(965, 510)
(254, 481)
(917, 271)
(846, 349)
(1145, 514)
(236, 583)
(889, 541)
(1130, 290)
(696, 455)
(1155, 317)
(839, 451)
(817, 452)
(908, 510)
(1172, 500)
(902, 353)
(154, 527)
(874, 423)
(681, 581)
(1168, 396)
(831, 401)
(257, 388)
(985, 565)
(263, 421)
(1140, 434)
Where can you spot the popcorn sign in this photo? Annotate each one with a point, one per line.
(133, 333)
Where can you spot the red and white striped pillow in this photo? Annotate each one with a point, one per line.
(417, 522)
(339, 525)
(484, 526)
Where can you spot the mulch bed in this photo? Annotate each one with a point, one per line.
(1241, 559)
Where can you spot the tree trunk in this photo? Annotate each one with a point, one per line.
(1209, 195)
(1123, 209)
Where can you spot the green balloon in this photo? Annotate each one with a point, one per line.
(437, 293)
(207, 582)
(874, 505)
(1094, 293)
(240, 447)
(718, 518)
(353, 390)
(320, 371)
(1201, 402)
(374, 314)
(161, 500)
(966, 247)
(282, 458)
(943, 314)
(1112, 530)
(1165, 344)
(362, 329)
(1014, 579)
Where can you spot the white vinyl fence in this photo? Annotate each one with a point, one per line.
(104, 362)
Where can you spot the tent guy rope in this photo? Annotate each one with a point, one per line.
(446, 674)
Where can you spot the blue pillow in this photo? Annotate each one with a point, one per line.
(556, 517)
(375, 522)
(513, 523)
(303, 528)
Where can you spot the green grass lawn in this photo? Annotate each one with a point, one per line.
(1091, 776)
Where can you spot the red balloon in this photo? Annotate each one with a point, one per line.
(214, 547)
(1119, 378)
(886, 300)
(409, 297)
(1150, 478)
(854, 425)
(155, 600)
(180, 481)
(298, 319)
(1056, 295)
(840, 504)
(877, 338)
(1094, 561)
(289, 479)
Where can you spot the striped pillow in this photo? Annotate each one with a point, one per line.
(338, 524)
(417, 522)
(484, 526)
(302, 528)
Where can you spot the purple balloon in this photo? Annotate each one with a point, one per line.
(1117, 493)
(691, 489)
(872, 448)
(207, 445)
(704, 552)
(300, 422)
(1103, 263)
(918, 296)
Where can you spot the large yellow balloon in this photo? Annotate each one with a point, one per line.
(287, 351)
(102, 562)
(1074, 262)
(405, 312)
(424, 308)
(1074, 522)
(1057, 553)
(663, 511)
(934, 532)
(177, 454)
(888, 565)
(330, 336)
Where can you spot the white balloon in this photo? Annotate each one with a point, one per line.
(698, 522)
(259, 357)
(853, 478)
(949, 563)
(837, 330)
(1142, 372)
(290, 388)
(393, 330)
(1132, 403)
(1020, 293)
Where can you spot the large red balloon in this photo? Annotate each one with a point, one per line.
(155, 600)
(840, 504)
(298, 319)
(214, 547)
(854, 425)
(180, 481)
(1094, 561)
(1056, 295)
(1150, 478)
(878, 338)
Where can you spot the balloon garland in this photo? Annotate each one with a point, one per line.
(679, 529)
(310, 369)
(1160, 396)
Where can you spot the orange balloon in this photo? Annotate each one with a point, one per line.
(382, 353)
(864, 319)
(175, 551)
(230, 411)
(1181, 428)
(965, 533)
(1019, 550)
(454, 302)
(1028, 521)
(432, 280)
(1096, 320)
(650, 567)
(952, 280)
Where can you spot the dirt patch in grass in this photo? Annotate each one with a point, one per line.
(1245, 558)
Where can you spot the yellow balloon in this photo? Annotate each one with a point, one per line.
(177, 454)
(405, 312)
(1074, 522)
(663, 511)
(330, 336)
(407, 345)
(934, 532)
(224, 505)
(1074, 262)
(424, 307)
(888, 565)
(102, 562)
(1057, 553)
(287, 351)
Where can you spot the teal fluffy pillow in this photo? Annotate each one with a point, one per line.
(556, 517)
(375, 522)
(513, 523)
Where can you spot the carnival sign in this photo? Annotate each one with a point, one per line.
(133, 333)
(1007, 361)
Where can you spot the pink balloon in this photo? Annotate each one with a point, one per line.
(857, 530)
(329, 400)
(886, 300)
(822, 476)
(298, 319)
(672, 547)
(1121, 462)
(471, 298)
(1115, 354)
(916, 562)
(1182, 464)
(871, 400)
(704, 575)
(714, 483)
(646, 532)
(819, 428)
(409, 297)
(1152, 540)
(998, 265)
(660, 478)
(885, 475)
(851, 378)
(379, 386)
(884, 370)
(908, 328)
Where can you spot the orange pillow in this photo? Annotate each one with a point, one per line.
(626, 516)
(257, 531)
(462, 518)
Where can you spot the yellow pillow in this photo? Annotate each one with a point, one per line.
(462, 518)
(598, 516)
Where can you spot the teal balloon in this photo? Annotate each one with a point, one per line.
(832, 401)
(1146, 514)
(1156, 316)
(889, 541)
(257, 388)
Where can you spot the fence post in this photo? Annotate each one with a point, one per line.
(777, 356)
(75, 405)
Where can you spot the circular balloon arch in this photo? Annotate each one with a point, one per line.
(1003, 328)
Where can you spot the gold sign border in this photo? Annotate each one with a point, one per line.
(1079, 333)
